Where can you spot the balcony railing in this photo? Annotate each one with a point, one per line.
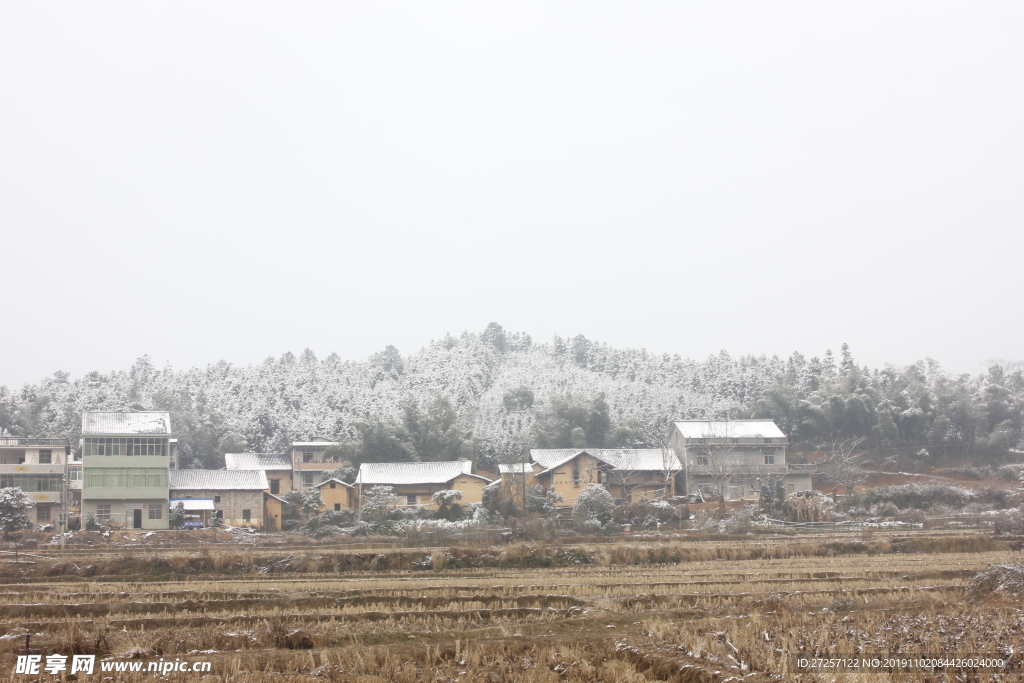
(317, 465)
(697, 469)
(21, 441)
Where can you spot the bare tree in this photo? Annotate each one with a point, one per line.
(717, 459)
(625, 480)
(842, 464)
(657, 431)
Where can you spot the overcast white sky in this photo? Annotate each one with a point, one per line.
(202, 181)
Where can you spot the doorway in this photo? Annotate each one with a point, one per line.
(137, 518)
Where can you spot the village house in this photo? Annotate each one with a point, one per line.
(125, 463)
(232, 497)
(629, 474)
(733, 457)
(416, 482)
(337, 495)
(310, 462)
(277, 467)
(515, 480)
(39, 467)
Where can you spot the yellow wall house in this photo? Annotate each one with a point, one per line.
(277, 466)
(337, 495)
(629, 474)
(416, 482)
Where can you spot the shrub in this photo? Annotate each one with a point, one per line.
(1007, 473)
(998, 579)
(593, 503)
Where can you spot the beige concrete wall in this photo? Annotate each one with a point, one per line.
(285, 479)
(563, 479)
(339, 495)
(472, 488)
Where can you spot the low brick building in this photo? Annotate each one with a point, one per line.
(237, 495)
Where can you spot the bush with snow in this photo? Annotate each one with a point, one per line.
(594, 503)
(14, 507)
(1001, 579)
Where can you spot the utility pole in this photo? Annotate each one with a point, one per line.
(65, 491)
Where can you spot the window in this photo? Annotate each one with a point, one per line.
(118, 477)
(307, 478)
(45, 457)
(275, 486)
(31, 482)
(307, 454)
(246, 515)
(769, 460)
(156, 511)
(103, 512)
(576, 473)
(42, 513)
(216, 499)
(332, 484)
(125, 446)
(703, 460)
(337, 507)
(410, 499)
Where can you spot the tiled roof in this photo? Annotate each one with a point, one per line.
(126, 422)
(257, 461)
(398, 473)
(316, 486)
(213, 480)
(626, 459)
(730, 429)
(553, 457)
(515, 468)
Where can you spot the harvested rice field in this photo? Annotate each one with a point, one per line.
(625, 612)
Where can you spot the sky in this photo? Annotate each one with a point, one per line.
(202, 181)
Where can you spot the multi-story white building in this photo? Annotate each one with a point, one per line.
(730, 457)
(38, 466)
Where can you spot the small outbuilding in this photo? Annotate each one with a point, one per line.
(237, 495)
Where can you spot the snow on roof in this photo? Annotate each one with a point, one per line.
(549, 458)
(516, 468)
(257, 461)
(398, 473)
(325, 481)
(126, 422)
(631, 459)
(192, 503)
(729, 429)
(222, 480)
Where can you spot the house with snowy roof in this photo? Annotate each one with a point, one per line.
(337, 495)
(126, 457)
(232, 497)
(731, 458)
(629, 474)
(417, 482)
(277, 467)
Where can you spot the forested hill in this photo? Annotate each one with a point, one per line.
(492, 395)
